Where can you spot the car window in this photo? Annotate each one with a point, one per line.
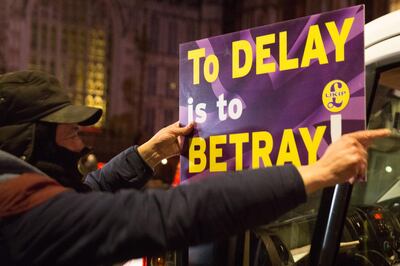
(371, 235)
(384, 155)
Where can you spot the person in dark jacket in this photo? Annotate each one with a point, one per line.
(40, 125)
(44, 221)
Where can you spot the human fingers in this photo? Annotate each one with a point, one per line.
(362, 167)
(347, 145)
(362, 149)
(176, 130)
(344, 159)
(359, 165)
(366, 136)
(181, 141)
(352, 180)
(361, 172)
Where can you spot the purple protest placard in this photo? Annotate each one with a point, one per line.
(274, 94)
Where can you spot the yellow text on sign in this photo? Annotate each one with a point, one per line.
(314, 49)
(262, 144)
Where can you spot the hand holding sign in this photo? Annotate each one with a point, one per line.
(164, 144)
(344, 160)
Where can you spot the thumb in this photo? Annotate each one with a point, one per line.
(365, 137)
(181, 131)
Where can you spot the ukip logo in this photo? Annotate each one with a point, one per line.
(336, 95)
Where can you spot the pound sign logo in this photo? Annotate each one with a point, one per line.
(336, 96)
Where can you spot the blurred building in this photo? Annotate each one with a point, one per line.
(262, 12)
(122, 55)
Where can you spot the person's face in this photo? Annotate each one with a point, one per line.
(67, 137)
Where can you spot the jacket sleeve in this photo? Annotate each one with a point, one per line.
(126, 170)
(98, 227)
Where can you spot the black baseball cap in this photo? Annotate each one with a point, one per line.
(29, 96)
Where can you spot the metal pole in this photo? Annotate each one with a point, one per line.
(329, 225)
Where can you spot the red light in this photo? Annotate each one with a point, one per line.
(100, 165)
(177, 176)
(378, 216)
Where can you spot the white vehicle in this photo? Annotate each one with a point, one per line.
(371, 233)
